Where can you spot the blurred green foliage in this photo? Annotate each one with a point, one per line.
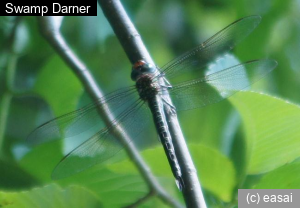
(249, 141)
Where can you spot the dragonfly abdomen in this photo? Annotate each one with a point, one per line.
(155, 105)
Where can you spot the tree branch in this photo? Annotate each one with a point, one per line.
(125, 31)
(53, 35)
(136, 50)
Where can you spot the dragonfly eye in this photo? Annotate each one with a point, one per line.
(147, 68)
(135, 74)
(141, 67)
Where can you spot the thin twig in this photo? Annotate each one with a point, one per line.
(136, 50)
(53, 35)
(8, 73)
(141, 200)
(5, 104)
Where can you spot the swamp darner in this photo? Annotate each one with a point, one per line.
(132, 106)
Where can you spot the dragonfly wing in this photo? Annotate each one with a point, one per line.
(104, 144)
(83, 119)
(219, 85)
(218, 45)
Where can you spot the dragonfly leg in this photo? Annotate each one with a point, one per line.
(162, 75)
(172, 108)
(165, 84)
(168, 85)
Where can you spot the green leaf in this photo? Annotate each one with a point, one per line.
(154, 202)
(105, 184)
(272, 130)
(109, 186)
(216, 171)
(285, 177)
(50, 196)
(12, 177)
(205, 121)
(58, 86)
(41, 161)
(155, 158)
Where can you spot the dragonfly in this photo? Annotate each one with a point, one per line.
(133, 105)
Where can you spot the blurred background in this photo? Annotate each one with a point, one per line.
(248, 141)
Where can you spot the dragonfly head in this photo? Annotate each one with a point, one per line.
(141, 67)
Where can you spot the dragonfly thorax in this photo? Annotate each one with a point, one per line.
(146, 87)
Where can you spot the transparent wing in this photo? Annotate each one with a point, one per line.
(199, 57)
(219, 85)
(104, 144)
(83, 119)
